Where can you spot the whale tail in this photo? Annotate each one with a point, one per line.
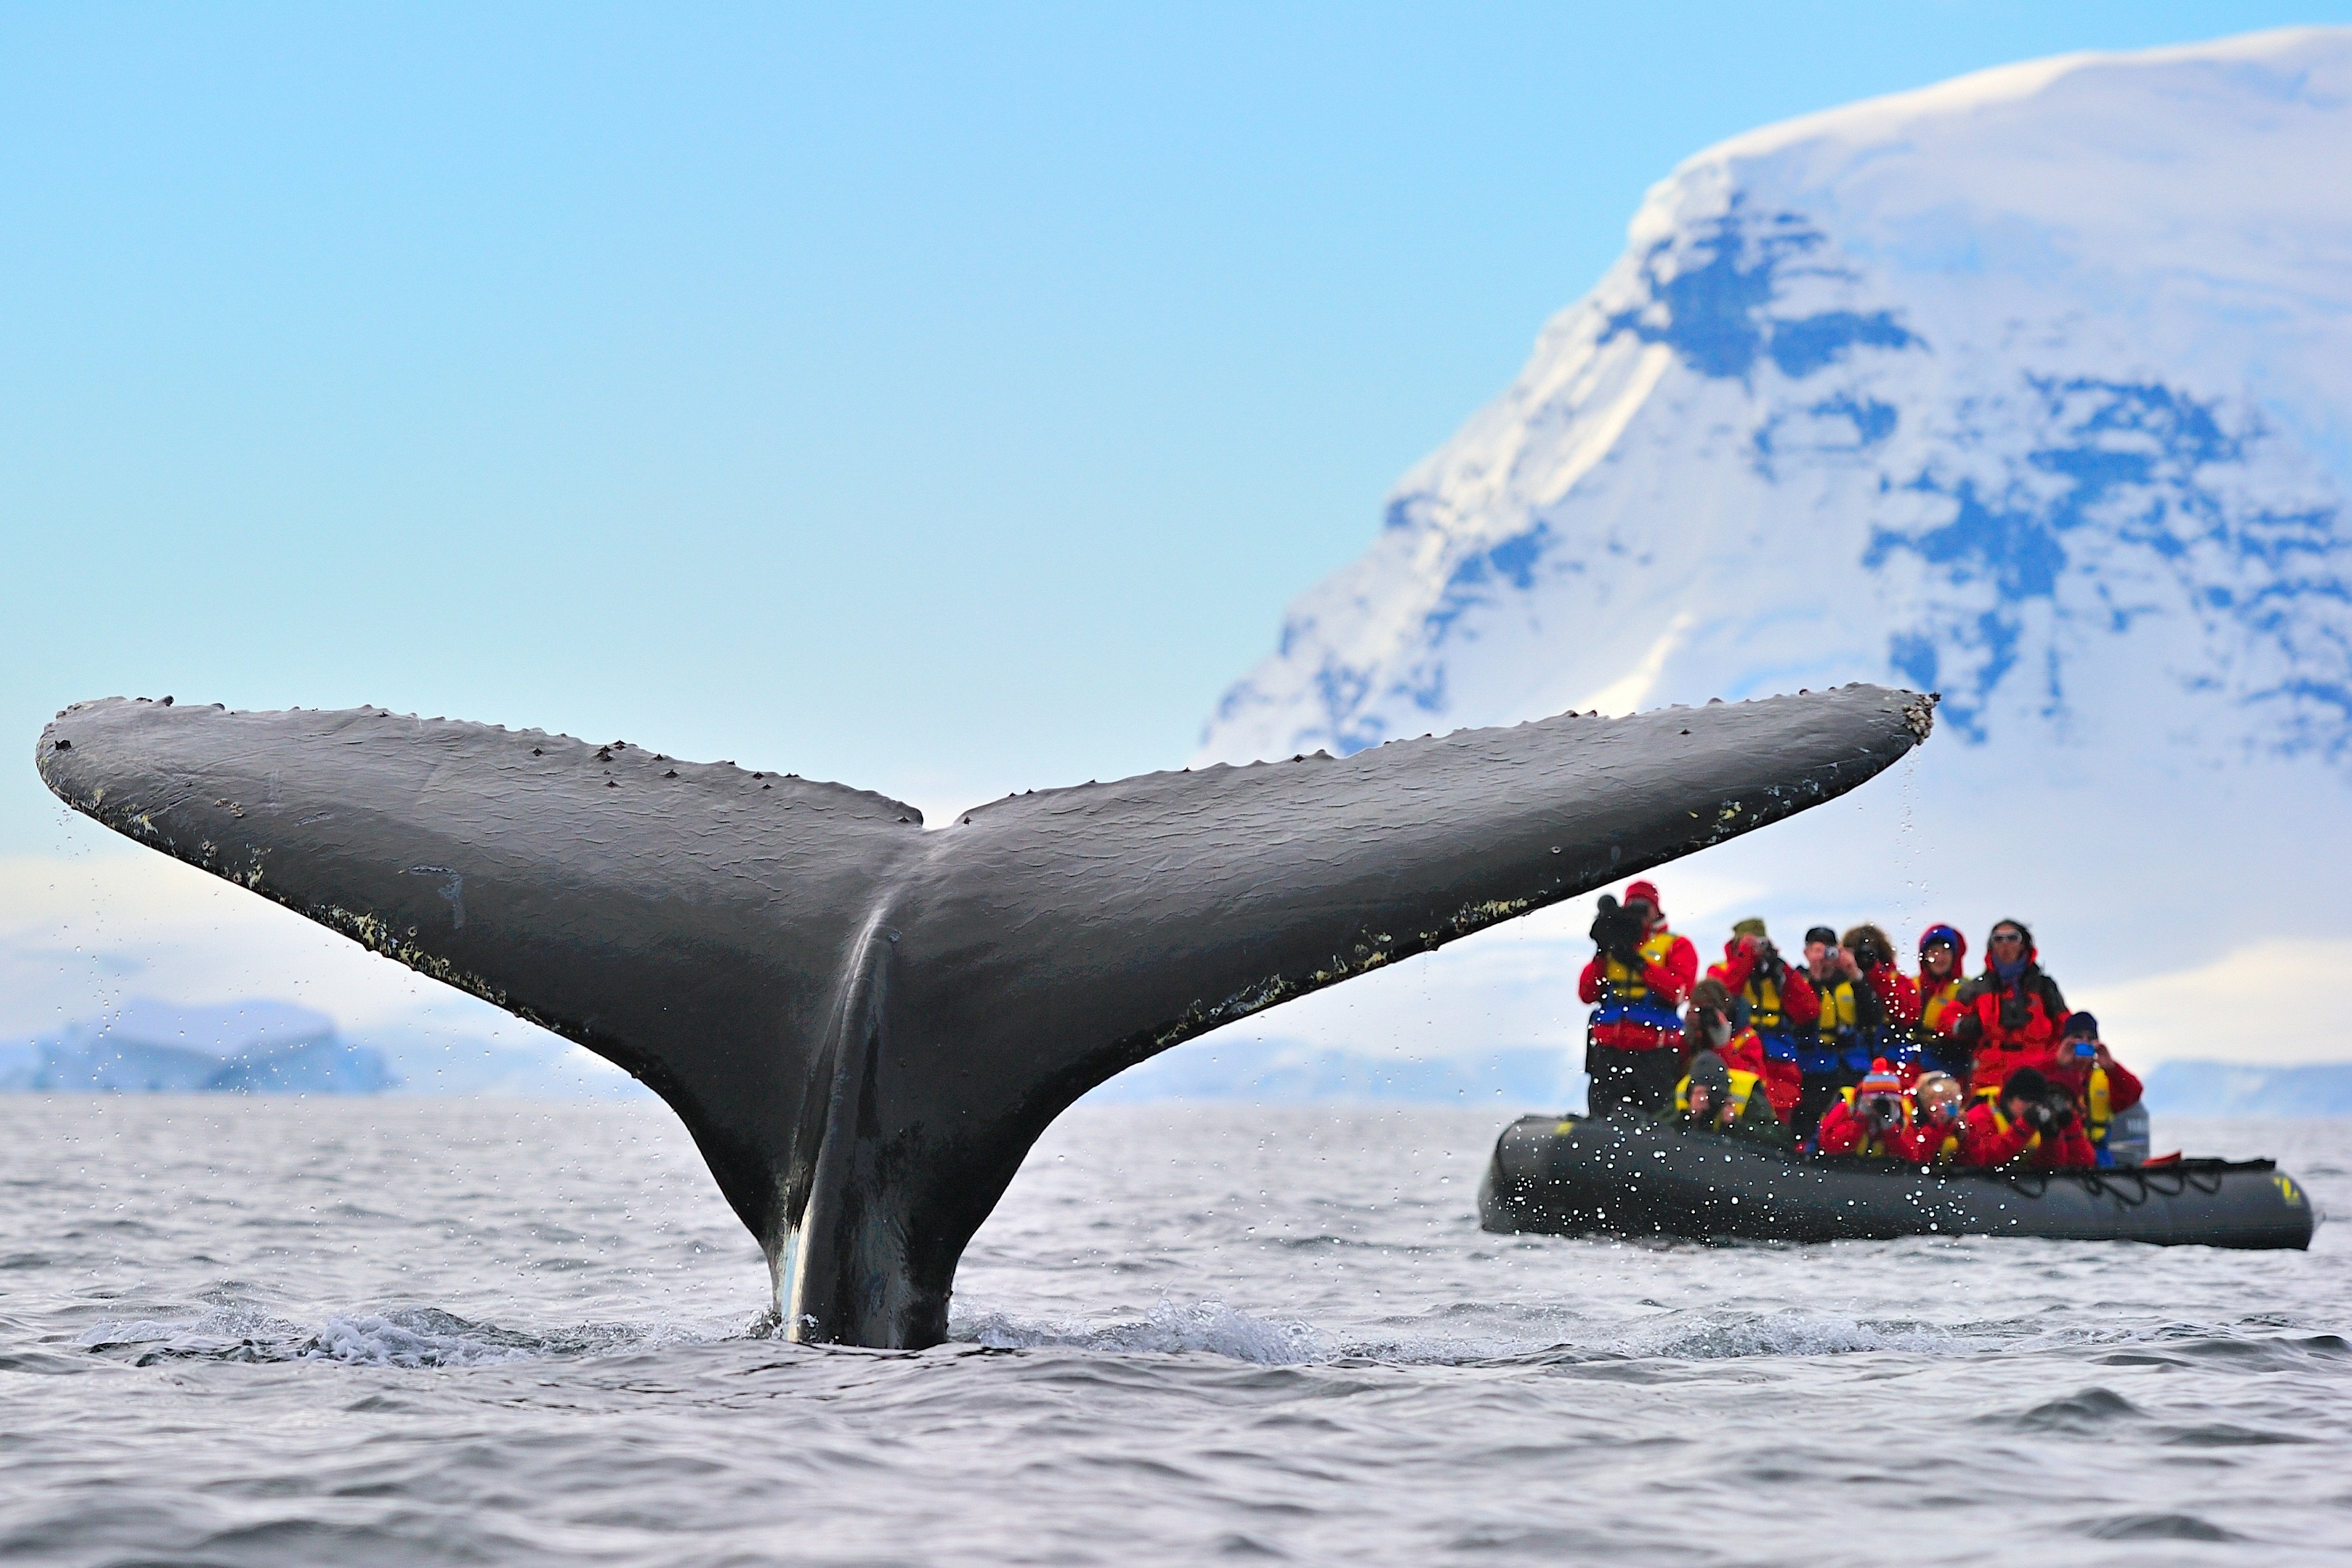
(866, 1025)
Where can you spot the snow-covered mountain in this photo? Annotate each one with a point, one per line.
(2035, 388)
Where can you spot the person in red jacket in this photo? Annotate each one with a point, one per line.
(1871, 957)
(1775, 1001)
(2032, 1125)
(1868, 1120)
(1637, 982)
(2100, 1085)
(1932, 1135)
(1943, 970)
(2010, 1013)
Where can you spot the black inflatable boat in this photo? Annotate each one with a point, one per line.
(1625, 1176)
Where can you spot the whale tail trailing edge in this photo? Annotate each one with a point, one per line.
(866, 1025)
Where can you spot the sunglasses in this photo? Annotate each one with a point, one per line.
(2008, 938)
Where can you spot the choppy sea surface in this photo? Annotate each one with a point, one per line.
(255, 1331)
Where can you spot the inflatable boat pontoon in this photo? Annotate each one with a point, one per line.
(1626, 1175)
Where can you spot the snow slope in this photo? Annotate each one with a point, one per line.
(2034, 388)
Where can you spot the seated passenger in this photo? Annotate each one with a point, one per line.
(1943, 968)
(1845, 1032)
(1715, 1097)
(1870, 1118)
(2010, 1013)
(1933, 1135)
(2031, 1124)
(2100, 1085)
(1772, 999)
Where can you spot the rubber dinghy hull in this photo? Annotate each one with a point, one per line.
(1624, 1175)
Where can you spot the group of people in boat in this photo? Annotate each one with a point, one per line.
(1845, 1053)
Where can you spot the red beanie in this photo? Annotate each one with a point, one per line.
(1646, 892)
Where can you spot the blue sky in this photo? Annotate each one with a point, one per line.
(943, 401)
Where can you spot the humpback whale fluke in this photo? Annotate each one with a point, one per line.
(866, 1025)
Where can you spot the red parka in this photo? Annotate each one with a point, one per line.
(1666, 980)
(1784, 1081)
(2009, 1026)
(1937, 1013)
(2123, 1088)
(1988, 1138)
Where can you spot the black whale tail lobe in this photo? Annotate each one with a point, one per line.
(866, 1025)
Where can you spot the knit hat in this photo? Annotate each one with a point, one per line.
(1822, 934)
(1647, 892)
(1949, 934)
(2080, 1026)
(1752, 926)
(1711, 993)
(2025, 1083)
(1880, 1079)
(1708, 1072)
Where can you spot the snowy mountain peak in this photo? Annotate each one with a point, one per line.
(2034, 387)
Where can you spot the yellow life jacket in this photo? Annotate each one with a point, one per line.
(1743, 1084)
(1626, 984)
(1763, 998)
(1932, 1005)
(1625, 996)
(1837, 1009)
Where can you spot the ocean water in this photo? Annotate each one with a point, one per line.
(350, 1332)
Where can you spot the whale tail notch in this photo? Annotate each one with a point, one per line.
(865, 1023)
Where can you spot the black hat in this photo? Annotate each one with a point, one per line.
(2025, 1083)
(2080, 1024)
(1708, 1072)
(1822, 934)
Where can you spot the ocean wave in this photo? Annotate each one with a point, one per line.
(408, 1337)
(1169, 1327)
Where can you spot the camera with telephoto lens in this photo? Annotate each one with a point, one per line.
(2061, 1108)
(1616, 930)
(1880, 1111)
(1868, 952)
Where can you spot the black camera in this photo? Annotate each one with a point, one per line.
(2015, 1011)
(1616, 930)
(1870, 953)
(1880, 1111)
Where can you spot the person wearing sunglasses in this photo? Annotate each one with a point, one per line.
(2009, 1014)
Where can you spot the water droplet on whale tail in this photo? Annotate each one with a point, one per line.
(866, 1030)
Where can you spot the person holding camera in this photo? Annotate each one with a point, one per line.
(2101, 1087)
(1870, 954)
(2031, 1124)
(1933, 1134)
(1636, 982)
(1713, 1098)
(1846, 1030)
(2010, 1013)
(1775, 1001)
(1870, 1118)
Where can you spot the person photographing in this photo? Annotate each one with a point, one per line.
(2032, 1125)
(1639, 976)
(1772, 999)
